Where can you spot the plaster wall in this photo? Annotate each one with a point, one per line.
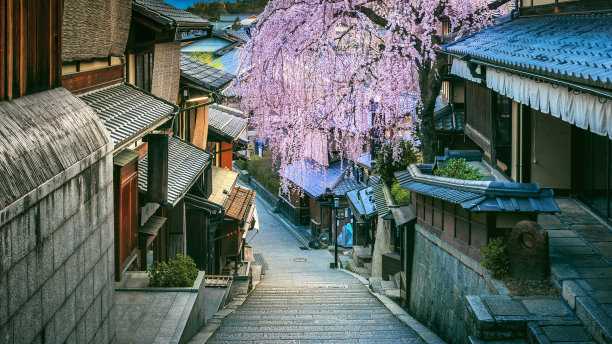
(550, 151)
(56, 261)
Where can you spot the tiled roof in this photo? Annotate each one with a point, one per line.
(486, 196)
(185, 163)
(239, 202)
(166, 14)
(41, 136)
(568, 47)
(366, 160)
(226, 122)
(239, 34)
(203, 74)
(362, 201)
(223, 181)
(380, 200)
(128, 112)
(317, 180)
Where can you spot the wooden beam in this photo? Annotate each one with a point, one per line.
(89, 80)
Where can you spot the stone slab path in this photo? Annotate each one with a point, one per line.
(302, 300)
(581, 263)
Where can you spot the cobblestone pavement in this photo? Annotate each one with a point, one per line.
(302, 300)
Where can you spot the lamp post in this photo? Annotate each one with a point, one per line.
(335, 226)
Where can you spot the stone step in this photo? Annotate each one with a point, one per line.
(316, 341)
(393, 294)
(251, 328)
(368, 266)
(322, 336)
(362, 254)
(388, 284)
(473, 340)
(313, 322)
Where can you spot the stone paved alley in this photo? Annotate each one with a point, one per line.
(302, 300)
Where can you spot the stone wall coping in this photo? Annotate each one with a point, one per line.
(476, 186)
(31, 198)
(197, 284)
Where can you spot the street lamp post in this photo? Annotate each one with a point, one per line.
(335, 226)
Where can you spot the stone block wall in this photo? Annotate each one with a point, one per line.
(56, 260)
(441, 278)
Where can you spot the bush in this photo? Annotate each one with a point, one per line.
(400, 195)
(496, 257)
(178, 272)
(264, 171)
(460, 169)
(386, 165)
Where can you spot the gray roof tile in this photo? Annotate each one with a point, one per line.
(315, 180)
(128, 112)
(185, 163)
(203, 74)
(226, 122)
(569, 47)
(166, 14)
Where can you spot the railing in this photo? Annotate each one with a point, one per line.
(297, 215)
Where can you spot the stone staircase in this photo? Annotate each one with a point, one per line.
(361, 263)
(388, 288)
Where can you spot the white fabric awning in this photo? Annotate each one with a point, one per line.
(460, 68)
(585, 110)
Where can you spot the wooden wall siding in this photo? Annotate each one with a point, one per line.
(478, 108)
(126, 216)
(466, 231)
(90, 80)
(30, 46)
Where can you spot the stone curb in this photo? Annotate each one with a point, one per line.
(426, 334)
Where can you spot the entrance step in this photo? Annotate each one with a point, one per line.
(541, 319)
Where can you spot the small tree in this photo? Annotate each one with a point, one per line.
(178, 272)
(394, 157)
(236, 25)
(460, 169)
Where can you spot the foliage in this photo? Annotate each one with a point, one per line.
(207, 58)
(400, 194)
(263, 170)
(324, 65)
(178, 272)
(460, 169)
(394, 157)
(212, 10)
(496, 256)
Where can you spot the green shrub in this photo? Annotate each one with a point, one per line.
(400, 195)
(460, 169)
(178, 272)
(386, 164)
(496, 256)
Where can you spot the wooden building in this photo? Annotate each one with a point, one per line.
(316, 195)
(544, 118)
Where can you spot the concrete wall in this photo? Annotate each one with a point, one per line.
(441, 278)
(550, 151)
(56, 259)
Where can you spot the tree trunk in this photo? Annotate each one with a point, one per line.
(430, 82)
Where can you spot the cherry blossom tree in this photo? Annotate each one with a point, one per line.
(323, 66)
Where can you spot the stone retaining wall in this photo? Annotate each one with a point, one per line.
(441, 278)
(56, 259)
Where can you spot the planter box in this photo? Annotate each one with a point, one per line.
(162, 315)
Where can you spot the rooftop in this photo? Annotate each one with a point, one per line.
(168, 15)
(226, 123)
(207, 45)
(42, 135)
(127, 111)
(203, 74)
(223, 182)
(317, 180)
(568, 47)
(186, 163)
(239, 202)
(478, 195)
(362, 201)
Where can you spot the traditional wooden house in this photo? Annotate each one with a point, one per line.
(543, 116)
(317, 194)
